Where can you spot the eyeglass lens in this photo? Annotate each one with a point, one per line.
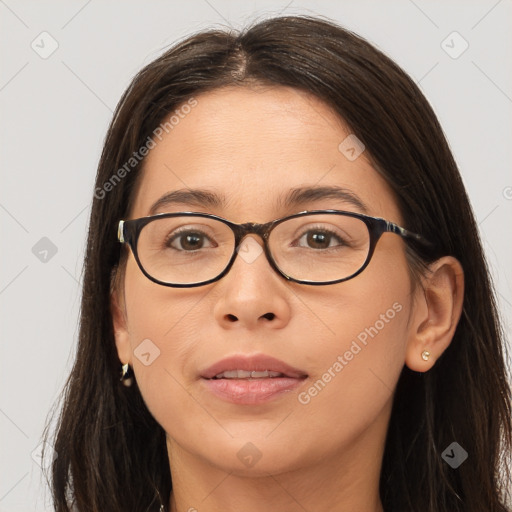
(187, 250)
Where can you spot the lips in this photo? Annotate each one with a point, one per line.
(256, 363)
(243, 374)
(250, 380)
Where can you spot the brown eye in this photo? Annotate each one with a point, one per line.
(188, 241)
(321, 239)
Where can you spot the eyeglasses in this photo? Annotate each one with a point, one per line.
(316, 247)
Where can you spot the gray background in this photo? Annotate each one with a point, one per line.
(55, 112)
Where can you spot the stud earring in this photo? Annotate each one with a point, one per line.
(126, 376)
(425, 355)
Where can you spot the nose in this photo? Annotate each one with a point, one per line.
(252, 294)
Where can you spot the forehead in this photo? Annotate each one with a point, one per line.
(252, 149)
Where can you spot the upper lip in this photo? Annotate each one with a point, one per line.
(257, 363)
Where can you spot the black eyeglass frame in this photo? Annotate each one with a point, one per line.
(129, 231)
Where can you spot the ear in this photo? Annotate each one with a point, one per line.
(436, 313)
(119, 319)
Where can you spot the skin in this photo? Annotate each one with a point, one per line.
(251, 144)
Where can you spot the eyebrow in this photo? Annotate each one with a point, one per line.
(191, 197)
(302, 195)
(295, 197)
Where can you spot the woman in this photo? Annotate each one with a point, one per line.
(281, 346)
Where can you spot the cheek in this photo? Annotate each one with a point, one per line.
(163, 325)
(357, 367)
(354, 376)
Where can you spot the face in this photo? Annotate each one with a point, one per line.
(347, 340)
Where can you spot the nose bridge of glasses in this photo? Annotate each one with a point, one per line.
(249, 228)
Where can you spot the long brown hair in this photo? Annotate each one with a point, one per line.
(112, 453)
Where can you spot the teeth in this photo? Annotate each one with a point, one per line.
(259, 375)
(243, 374)
(235, 374)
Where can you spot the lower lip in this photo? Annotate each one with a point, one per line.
(251, 391)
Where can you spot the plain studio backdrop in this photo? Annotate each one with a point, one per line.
(64, 68)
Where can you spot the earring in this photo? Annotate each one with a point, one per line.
(126, 377)
(425, 355)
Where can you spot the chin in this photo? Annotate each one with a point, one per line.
(256, 457)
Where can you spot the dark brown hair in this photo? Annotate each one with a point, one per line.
(112, 453)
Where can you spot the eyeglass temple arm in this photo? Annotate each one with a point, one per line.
(395, 228)
(120, 231)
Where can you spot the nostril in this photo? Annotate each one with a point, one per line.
(231, 317)
(269, 316)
